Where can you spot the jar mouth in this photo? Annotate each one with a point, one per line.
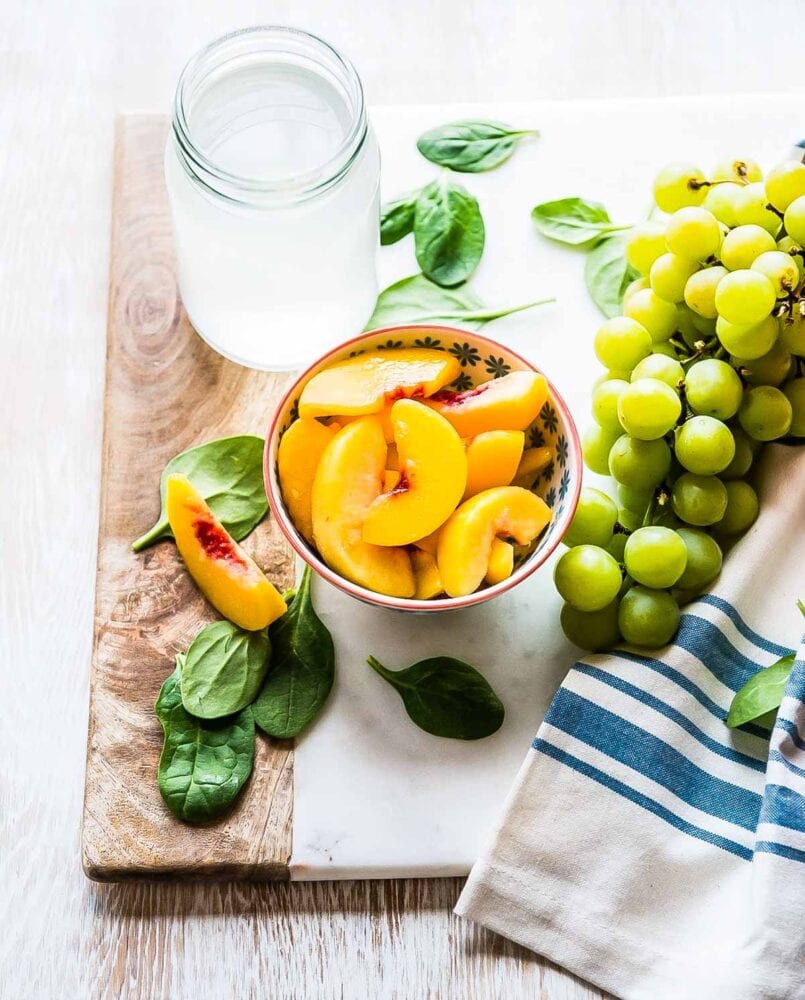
(225, 55)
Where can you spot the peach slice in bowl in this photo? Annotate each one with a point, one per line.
(392, 462)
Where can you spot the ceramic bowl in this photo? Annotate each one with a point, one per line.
(481, 359)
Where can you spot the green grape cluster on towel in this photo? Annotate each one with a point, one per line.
(704, 366)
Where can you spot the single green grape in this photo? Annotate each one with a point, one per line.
(792, 333)
(587, 577)
(699, 500)
(621, 342)
(742, 509)
(634, 286)
(745, 297)
(660, 366)
(648, 618)
(648, 408)
(608, 376)
(645, 243)
(712, 388)
(750, 340)
(765, 413)
(639, 464)
(605, 402)
(794, 392)
(654, 314)
(781, 270)
(742, 459)
(704, 445)
(742, 171)
(669, 275)
(700, 291)
(794, 251)
(751, 210)
(743, 245)
(772, 369)
(596, 631)
(635, 500)
(795, 220)
(720, 200)
(665, 348)
(678, 185)
(693, 233)
(617, 545)
(685, 324)
(785, 183)
(704, 559)
(593, 521)
(629, 520)
(596, 444)
(655, 557)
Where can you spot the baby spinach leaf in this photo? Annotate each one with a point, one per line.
(471, 146)
(446, 697)
(573, 220)
(415, 300)
(303, 668)
(762, 693)
(228, 473)
(203, 765)
(397, 218)
(607, 274)
(223, 670)
(448, 232)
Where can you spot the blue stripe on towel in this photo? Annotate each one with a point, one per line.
(740, 624)
(638, 798)
(781, 850)
(782, 759)
(671, 713)
(706, 641)
(783, 807)
(678, 678)
(652, 757)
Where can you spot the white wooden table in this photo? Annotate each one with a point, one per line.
(65, 69)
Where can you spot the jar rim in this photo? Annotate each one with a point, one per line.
(290, 187)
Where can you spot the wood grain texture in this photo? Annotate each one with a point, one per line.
(66, 70)
(165, 392)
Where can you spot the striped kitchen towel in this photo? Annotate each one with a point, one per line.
(647, 847)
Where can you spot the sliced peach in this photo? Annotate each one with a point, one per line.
(509, 403)
(501, 561)
(433, 467)
(426, 574)
(300, 449)
(348, 479)
(534, 460)
(465, 541)
(363, 384)
(384, 416)
(390, 479)
(429, 543)
(230, 580)
(492, 460)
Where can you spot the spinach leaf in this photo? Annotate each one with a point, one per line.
(762, 693)
(397, 218)
(446, 697)
(416, 300)
(573, 220)
(228, 473)
(223, 670)
(303, 668)
(607, 274)
(448, 232)
(470, 146)
(203, 765)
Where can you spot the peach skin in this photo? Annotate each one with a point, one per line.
(300, 449)
(230, 580)
(492, 460)
(433, 474)
(509, 403)
(465, 541)
(364, 384)
(348, 479)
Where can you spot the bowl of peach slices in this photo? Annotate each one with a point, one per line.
(423, 468)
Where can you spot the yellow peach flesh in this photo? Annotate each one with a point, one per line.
(509, 403)
(492, 460)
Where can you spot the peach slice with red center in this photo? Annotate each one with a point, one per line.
(509, 403)
(465, 541)
(348, 479)
(492, 460)
(364, 384)
(230, 580)
(433, 474)
(298, 455)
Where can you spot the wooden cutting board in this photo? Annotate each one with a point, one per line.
(165, 391)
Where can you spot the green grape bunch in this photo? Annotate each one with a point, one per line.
(706, 365)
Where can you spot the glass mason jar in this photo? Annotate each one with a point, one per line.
(273, 175)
